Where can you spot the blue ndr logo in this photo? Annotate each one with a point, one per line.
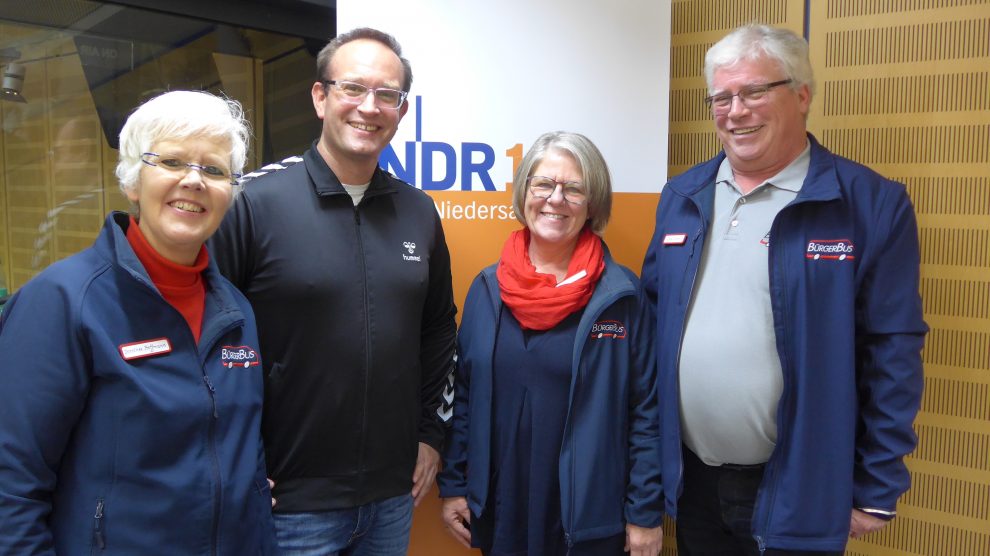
(477, 160)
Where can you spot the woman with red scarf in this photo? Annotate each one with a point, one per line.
(554, 447)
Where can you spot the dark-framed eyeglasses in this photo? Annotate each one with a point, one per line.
(543, 187)
(179, 167)
(751, 96)
(355, 93)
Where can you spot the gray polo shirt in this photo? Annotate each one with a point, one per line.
(730, 375)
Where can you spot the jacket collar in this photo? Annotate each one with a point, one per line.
(112, 244)
(325, 182)
(820, 184)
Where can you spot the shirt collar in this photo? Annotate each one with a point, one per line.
(790, 178)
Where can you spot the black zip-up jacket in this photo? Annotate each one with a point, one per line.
(355, 316)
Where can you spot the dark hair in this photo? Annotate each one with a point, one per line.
(325, 55)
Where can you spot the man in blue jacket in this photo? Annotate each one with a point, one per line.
(785, 281)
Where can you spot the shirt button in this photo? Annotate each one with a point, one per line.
(742, 200)
(734, 223)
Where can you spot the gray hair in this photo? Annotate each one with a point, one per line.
(326, 55)
(178, 115)
(754, 41)
(594, 172)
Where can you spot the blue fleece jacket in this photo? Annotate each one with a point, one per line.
(609, 466)
(844, 272)
(118, 433)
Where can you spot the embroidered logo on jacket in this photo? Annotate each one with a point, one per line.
(829, 249)
(608, 329)
(411, 248)
(239, 356)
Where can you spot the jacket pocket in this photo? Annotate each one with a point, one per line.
(266, 524)
(99, 540)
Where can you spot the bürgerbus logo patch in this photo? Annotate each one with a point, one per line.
(830, 250)
(239, 356)
(608, 329)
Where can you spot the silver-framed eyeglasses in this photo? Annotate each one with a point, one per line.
(751, 96)
(355, 93)
(179, 167)
(543, 187)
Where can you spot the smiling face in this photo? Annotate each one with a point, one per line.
(180, 210)
(554, 222)
(761, 140)
(355, 134)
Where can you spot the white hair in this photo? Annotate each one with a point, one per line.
(754, 41)
(178, 115)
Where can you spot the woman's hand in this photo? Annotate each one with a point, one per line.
(642, 541)
(457, 517)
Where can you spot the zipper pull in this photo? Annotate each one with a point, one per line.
(213, 394)
(98, 525)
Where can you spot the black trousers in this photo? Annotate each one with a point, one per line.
(715, 511)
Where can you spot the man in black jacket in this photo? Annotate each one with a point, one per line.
(348, 272)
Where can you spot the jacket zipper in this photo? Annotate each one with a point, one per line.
(98, 525)
(216, 464)
(367, 342)
(580, 341)
(769, 474)
(212, 434)
(699, 236)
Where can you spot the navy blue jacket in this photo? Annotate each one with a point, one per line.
(148, 454)
(844, 271)
(609, 465)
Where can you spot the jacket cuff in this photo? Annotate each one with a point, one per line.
(432, 436)
(885, 515)
(642, 517)
(452, 492)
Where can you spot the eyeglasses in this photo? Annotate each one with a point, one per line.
(355, 93)
(542, 188)
(179, 167)
(750, 96)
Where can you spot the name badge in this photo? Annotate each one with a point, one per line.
(674, 239)
(145, 348)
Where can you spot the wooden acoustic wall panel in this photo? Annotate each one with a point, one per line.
(695, 26)
(904, 87)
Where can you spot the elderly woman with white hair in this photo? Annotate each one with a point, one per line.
(131, 408)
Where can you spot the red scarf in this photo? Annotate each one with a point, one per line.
(182, 286)
(535, 299)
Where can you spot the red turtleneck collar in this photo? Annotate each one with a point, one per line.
(182, 286)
